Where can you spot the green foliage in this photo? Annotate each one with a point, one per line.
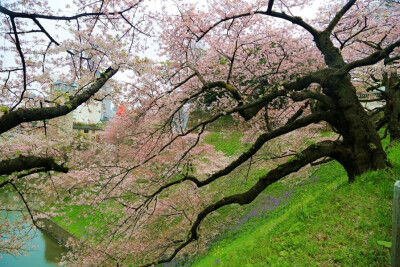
(222, 61)
(79, 222)
(262, 61)
(384, 243)
(4, 109)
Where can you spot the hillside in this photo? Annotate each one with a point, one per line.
(312, 218)
(324, 222)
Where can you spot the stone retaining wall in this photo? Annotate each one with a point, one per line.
(55, 230)
(62, 235)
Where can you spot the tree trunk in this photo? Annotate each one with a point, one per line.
(363, 144)
(364, 148)
(392, 110)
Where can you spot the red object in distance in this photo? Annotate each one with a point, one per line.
(120, 111)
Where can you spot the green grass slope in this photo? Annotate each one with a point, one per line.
(317, 220)
(324, 222)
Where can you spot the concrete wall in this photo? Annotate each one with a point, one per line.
(55, 230)
(88, 113)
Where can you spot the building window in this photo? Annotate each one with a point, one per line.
(86, 131)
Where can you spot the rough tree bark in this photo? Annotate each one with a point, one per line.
(358, 150)
(392, 109)
(365, 150)
(17, 111)
(14, 118)
(32, 163)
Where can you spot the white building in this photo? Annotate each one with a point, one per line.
(88, 118)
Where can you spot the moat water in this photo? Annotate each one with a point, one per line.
(46, 252)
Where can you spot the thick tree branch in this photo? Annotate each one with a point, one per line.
(371, 59)
(292, 91)
(22, 163)
(339, 15)
(303, 95)
(305, 81)
(309, 155)
(261, 140)
(13, 14)
(270, 4)
(24, 174)
(295, 20)
(232, 90)
(14, 118)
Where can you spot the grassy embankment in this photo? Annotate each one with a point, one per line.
(324, 222)
(309, 220)
(76, 218)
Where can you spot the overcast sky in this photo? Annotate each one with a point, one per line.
(58, 6)
(155, 5)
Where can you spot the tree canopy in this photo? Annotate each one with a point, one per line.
(275, 72)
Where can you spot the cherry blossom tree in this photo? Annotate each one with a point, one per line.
(89, 53)
(277, 72)
(384, 85)
(83, 49)
(381, 78)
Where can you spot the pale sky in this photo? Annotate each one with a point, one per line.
(155, 5)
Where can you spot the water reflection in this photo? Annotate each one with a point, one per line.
(53, 250)
(47, 251)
